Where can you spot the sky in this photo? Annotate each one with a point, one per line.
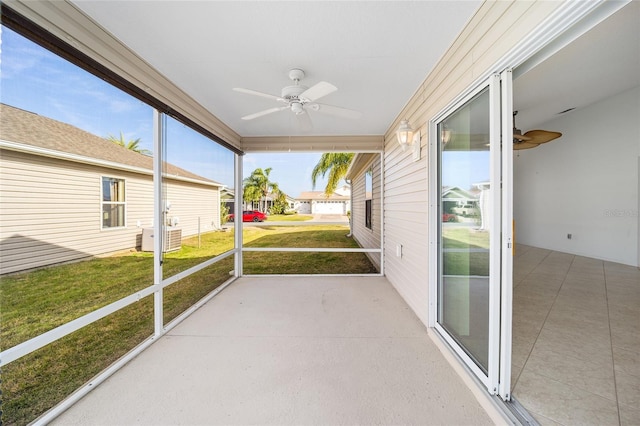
(36, 80)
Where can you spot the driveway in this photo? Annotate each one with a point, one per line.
(318, 219)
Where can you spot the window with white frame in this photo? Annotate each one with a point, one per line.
(368, 198)
(113, 202)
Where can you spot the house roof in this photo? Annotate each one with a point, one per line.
(28, 128)
(454, 192)
(320, 195)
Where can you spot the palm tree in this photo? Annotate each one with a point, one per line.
(133, 145)
(258, 186)
(337, 164)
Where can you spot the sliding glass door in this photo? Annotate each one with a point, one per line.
(470, 252)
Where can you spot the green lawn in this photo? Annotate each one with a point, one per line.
(38, 301)
(473, 262)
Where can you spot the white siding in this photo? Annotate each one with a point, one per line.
(367, 238)
(495, 29)
(50, 210)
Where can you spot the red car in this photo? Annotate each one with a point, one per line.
(250, 216)
(448, 217)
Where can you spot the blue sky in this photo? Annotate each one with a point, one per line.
(36, 80)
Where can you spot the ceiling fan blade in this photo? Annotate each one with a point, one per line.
(318, 91)
(542, 136)
(256, 93)
(304, 122)
(337, 111)
(265, 112)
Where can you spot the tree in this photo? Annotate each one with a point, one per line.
(258, 186)
(280, 205)
(132, 145)
(337, 164)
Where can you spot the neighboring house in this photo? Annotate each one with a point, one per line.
(259, 205)
(67, 194)
(458, 201)
(366, 212)
(228, 198)
(317, 202)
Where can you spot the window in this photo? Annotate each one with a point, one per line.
(368, 197)
(113, 203)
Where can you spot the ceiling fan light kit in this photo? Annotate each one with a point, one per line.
(299, 98)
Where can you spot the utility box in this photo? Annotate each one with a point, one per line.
(171, 242)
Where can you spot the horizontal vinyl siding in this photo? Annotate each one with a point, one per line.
(367, 238)
(495, 29)
(50, 210)
(192, 201)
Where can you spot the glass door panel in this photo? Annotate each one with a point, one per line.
(465, 227)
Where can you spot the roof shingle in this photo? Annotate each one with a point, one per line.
(28, 128)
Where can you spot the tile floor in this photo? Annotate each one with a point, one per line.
(576, 338)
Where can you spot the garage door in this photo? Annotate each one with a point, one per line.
(329, 207)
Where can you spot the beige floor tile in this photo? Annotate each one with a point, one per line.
(521, 348)
(578, 321)
(624, 314)
(526, 329)
(629, 416)
(531, 294)
(544, 421)
(579, 300)
(584, 346)
(624, 297)
(596, 307)
(571, 371)
(585, 286)
(625, 338)
(628, 388)
(627, 361)
(515, 373)
(562, 403)
(589, 273)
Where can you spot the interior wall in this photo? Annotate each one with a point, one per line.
(584, 184)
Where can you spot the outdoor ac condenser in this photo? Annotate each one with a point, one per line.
(172, 240)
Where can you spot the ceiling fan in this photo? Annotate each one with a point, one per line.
(532, 138)
(300, 99)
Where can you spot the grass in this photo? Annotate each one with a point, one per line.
(305, 262)
(38, 301)
(474, 262)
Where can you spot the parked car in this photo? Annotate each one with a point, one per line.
(448, 217)
(250, 216)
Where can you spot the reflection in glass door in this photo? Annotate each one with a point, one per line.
(473, 230)
(465, 227)
(468, 249)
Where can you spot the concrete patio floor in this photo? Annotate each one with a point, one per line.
(316, 350)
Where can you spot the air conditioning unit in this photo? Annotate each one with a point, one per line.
(172, 240)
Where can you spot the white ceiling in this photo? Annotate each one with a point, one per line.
(376, 52)
(603, 62)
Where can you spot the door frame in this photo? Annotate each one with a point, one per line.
(491, 379)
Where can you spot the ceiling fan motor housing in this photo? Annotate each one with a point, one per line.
(291, 93)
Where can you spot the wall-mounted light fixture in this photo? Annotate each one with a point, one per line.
(445, 134)
(408, 137)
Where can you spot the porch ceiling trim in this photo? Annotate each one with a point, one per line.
(373, 143)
